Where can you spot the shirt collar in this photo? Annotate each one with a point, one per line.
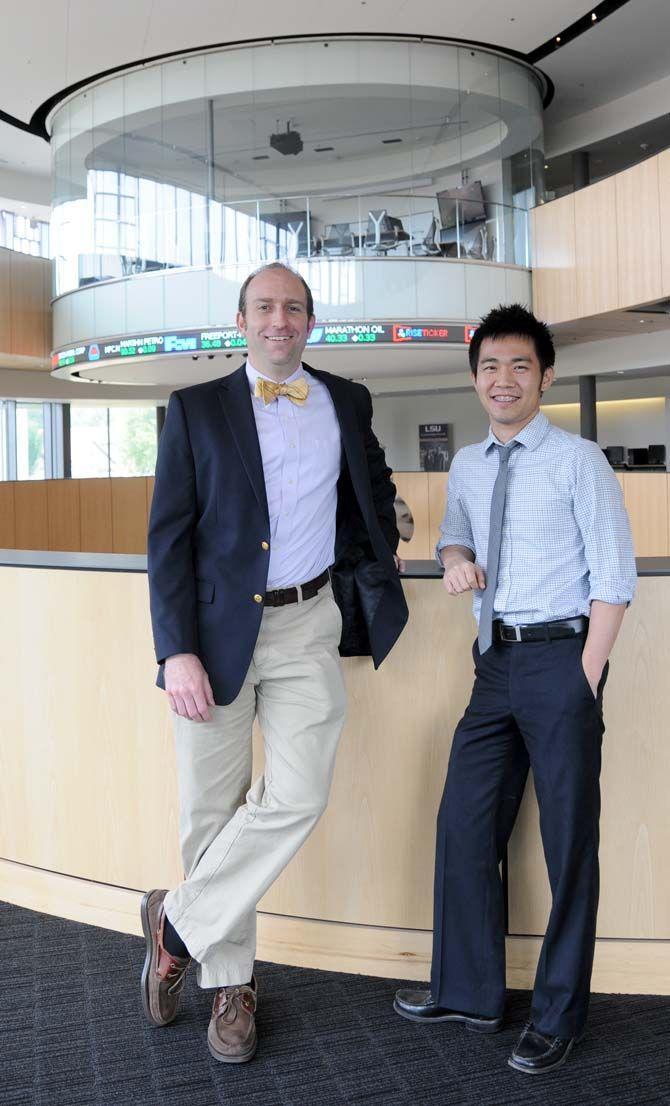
(530, 437)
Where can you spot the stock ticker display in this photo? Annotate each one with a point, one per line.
(229, 339)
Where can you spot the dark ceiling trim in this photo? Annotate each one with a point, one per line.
(575, 30)
(14, 122)
(37, 124)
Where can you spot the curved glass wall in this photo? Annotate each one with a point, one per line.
(313, 148)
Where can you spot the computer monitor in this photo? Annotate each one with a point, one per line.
(638, 456)
(462, 205)
(615, 454)
(656, 454)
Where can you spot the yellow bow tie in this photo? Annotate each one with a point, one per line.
(268, 390)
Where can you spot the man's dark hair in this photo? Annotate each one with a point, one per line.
(513, 320)
(242, 302)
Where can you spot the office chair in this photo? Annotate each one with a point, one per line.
(384, 232)
(478, 248)
(338, 241)
(428, 247)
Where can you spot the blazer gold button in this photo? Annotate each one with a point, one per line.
(258, 598)
(264, 545)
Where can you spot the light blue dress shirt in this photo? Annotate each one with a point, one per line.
(566, 538)
(301, 452)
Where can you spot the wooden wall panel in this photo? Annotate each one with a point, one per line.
(596, 248)
(437, 501)
(554, 259)
(664, 199)
(95, 498)
(638, 228)
(129, 514)
(46, 310)
(150, 494)
(93, 808)
(413, 488)
(28, 306)
(5, 301)
(32, 521)
(79, 785)
(63, 514)
(646, 499)
(635, 828)
(7, 517)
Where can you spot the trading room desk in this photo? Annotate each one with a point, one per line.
(88, 803)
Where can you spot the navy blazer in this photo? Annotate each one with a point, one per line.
(209, 520)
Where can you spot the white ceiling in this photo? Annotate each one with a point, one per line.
(627, 51)
(49, 45)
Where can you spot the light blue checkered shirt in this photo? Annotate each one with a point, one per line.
(566, 538)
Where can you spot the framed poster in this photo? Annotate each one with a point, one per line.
(435, 446)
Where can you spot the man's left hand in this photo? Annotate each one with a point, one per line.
(593, 672)
(399, 563)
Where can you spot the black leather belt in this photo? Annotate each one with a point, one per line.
(281, 596)
(540, 631)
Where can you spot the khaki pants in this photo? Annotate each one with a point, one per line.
(236, 838)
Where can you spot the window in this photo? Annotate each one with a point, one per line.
(18, 232)
(112, 441)
(132, 441)
(89, 441)
(115, 212)
(30, 441)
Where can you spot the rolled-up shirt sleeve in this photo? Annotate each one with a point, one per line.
(603, 521)
(455, 528)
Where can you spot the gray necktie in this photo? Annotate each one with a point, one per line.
(484, 636)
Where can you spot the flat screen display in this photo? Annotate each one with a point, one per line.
(459, 206)
(229, 339)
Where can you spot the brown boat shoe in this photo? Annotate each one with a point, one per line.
(231, 1036)
(163, 975)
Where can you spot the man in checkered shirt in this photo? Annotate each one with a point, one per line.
(541, 511)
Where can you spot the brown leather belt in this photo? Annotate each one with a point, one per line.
(281, 596)
(540, 631)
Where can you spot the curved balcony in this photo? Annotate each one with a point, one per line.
(395, 175)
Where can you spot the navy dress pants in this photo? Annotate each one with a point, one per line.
(531, 704)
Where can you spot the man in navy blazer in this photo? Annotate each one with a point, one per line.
(271, 549)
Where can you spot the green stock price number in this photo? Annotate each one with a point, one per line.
(336, 337)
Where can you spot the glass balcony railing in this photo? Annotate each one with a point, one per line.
(136, 226)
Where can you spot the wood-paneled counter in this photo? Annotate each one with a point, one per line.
(88, 802)
(98, 515)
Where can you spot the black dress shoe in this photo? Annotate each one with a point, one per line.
(536, 1054)
(418, 1006)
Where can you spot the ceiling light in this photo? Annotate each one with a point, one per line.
(322, 149)
(390, 141)
(593, 17)
(558, 38)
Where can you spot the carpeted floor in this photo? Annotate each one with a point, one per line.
(73, 1034)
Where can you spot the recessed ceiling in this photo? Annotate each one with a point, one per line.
(348, 132)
